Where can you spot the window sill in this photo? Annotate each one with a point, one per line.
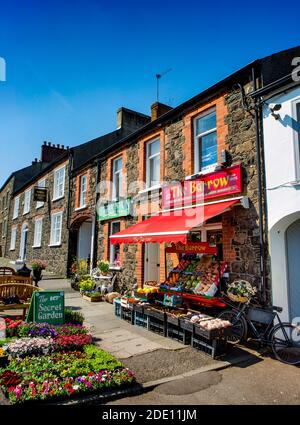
(39, 207)
(56, 245)
(25, 213)
(36, 246)
(57, 199)
(202, 172)
(81, 208)
(15, 218)
(12, 249)
(150, 189)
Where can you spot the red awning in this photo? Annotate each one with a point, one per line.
(172, 226)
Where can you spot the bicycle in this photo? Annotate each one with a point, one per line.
(283, 337)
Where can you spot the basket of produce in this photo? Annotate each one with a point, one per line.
(240, 291)
(186, 324)
(212, 328)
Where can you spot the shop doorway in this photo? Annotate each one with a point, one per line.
(293, 261)
(23, 243)
(84, 240)
(152, 262)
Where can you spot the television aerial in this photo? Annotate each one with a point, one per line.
(158, 77)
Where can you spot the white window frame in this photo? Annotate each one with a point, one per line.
(83, 191)
(148, 160)
(13, 239)
(197, 138)
(117, 174)
(27, 201)
(53, 240)
(42, 185)
(38, 232)
(112, 246)
(16, 207)
(59, 183)
(296, 116)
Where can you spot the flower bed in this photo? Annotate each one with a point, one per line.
(50, 362)
(62, 375)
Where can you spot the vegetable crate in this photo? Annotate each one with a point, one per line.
(140, 317)
(127, 314)
(157, 321)
(174, 330)
(117, 304)
(212, 346)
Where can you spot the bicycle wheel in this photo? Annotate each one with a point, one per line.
(285, 339)
(239, 326)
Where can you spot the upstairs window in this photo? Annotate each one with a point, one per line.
(153, 163)
(56, 226)
(117, 179)
(27, 199)
(59, 183)
(41, 184)
(205, 143)
(83, 191)
(16, 207)
(38, 228)
(4, 228)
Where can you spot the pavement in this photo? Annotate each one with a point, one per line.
(174, 374)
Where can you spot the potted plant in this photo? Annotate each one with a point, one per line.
(103, 266)
(37, 267)
(240, 291)
(86, 284)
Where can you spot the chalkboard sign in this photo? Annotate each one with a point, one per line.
(47, 307)
(39, 194)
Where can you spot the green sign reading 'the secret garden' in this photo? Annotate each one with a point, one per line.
(47, 307)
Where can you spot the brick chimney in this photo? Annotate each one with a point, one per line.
(158, 109)
(130, 121)
(50, 152)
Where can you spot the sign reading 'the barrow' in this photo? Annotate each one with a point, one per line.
(47, 307)
(220, 183)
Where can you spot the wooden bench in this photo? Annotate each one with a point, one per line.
(7, 271)
(15, 279)
(22, 291)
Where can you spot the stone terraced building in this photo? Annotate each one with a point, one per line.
(214, 132)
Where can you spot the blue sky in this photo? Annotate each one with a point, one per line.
(72, 64)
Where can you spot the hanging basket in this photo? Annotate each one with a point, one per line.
(237, 298)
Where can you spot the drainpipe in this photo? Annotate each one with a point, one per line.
(70, 186)
(261, 192)
(95, 228)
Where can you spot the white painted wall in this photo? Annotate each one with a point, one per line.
(281, 147)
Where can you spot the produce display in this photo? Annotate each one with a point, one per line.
(210, 323)
(198, 275)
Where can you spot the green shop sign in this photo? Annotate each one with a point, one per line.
(115, 209)
(47, 307)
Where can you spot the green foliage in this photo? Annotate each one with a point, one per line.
(86, 284)
(74, 317)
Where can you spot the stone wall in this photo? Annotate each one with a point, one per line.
(57, 256)
(5, 205)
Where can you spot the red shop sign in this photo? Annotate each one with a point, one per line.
(192, 248)
(219, 183)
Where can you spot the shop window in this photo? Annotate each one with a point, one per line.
(38, 228)
(117, 179)
(41, 184)
(153, 163)
(59, 183)
(205, 143)
(13, 239)
(16, 207)
(27, 199)
(83, 191)
(114, 250)
(56, 226)
(214, 238)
